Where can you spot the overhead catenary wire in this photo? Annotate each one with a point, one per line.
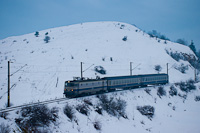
(18, 70)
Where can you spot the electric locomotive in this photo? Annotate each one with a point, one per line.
(77, 88)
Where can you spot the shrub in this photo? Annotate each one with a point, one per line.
(97, 124)
(192, 47)
(175, 55)
(114, 107)
(54, 114)
(122, 26)
(197, 98)
(36, 33)
(4, 128)
(83, 109)
(190, 85)
(98, 109)
(187, 86)
(148, 91)
(111, 59)
(36, 116)
(182, 68)
(88, 102)
(124, 38)
(156, 34)
(174, 108)
(4, 115)
(158, 68)
(173, 91)
(161, 91)
(184, 96)
(100, 69)
(69, 112)
(181, 41)
(146, 110)
(46, 39)
(164, 37)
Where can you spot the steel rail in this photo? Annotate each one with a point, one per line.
(32, 104)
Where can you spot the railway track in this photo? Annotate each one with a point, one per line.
(57, 100)
(32, 104)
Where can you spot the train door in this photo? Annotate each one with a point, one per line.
(78, 89)
(140, 81)
(104, 85)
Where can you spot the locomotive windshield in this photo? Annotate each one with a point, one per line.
(69, 84)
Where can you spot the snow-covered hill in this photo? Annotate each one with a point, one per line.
(39, 69)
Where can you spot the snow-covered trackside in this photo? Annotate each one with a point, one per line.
(39, 69)
(172, 114)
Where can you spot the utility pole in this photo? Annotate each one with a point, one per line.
(81, 70)
(131, 68)
(195, 78)
(8, 84)
(167, 68)
(9, 80)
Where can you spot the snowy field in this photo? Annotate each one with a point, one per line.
(39, 69)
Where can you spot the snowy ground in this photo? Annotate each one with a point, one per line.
(39, 69)
(172, 114)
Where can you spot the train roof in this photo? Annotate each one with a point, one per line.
(133, 76)
(118, 77)
(85, 80)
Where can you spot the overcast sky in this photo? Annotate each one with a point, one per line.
(173, 18)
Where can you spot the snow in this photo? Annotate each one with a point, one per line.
(47, 65)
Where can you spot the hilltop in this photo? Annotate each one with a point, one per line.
(39, 69)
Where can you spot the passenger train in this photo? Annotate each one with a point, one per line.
(76, 88)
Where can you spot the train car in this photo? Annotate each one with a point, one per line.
(154, 79)
(126, 82)
(86, 87)
(122, 82)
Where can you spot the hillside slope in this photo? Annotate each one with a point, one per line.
(39, 69)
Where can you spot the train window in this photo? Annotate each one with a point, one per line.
(109, 82)
(69, 84)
